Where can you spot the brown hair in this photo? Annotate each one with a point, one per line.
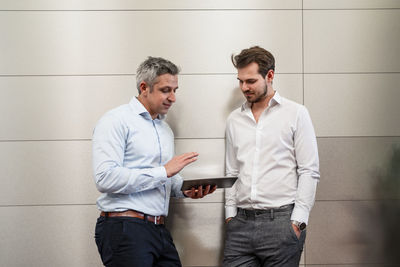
(262, 57)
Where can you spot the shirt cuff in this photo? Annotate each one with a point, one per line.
(179, 193)
(161, 173)
(299, 215)
(230, 211)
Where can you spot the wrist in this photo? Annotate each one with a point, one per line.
(300, 225)
(168, 172)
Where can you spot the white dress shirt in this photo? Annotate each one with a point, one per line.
(275, 159)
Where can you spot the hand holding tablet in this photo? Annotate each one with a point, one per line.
(220, 182)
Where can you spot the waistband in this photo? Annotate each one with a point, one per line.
(135, 214)
(252, 213)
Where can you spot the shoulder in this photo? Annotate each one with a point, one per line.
(113, 118)
(234, 115)
(291, 107)
(296, 113)
(290, 104)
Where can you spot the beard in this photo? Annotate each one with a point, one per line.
(257, 98)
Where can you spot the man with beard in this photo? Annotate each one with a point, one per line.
(271, 146)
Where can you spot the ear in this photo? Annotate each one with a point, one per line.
(144, 88)
(270, 75)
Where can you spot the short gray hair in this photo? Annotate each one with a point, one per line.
(153, 67)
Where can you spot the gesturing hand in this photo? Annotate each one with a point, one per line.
(177, 163)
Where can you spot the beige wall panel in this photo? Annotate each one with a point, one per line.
(350, 167)
(211, 160)
(35, 173)
(204, 102)
(48, 108)
(48, 236)
(58, 107)
(198, 231)
(338, 234)
(351, 41)
(350, 4)
(210, 163)
(138, 4)
(55, 42)
(353, 104)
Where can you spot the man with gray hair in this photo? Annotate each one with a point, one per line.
(136, 172)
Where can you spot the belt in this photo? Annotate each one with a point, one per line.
(135, 214)
(252, 213)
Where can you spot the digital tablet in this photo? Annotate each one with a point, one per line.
(220, 182)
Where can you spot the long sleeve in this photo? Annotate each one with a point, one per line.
(176, 187)
(232, 169)
(109, 144)
(306, 151)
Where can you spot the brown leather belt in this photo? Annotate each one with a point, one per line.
(135, 214)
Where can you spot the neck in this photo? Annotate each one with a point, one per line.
(146, 106)
(263, 104)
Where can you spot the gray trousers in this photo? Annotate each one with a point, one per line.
(265, 238)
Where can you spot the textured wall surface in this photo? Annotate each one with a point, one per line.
(63, 64)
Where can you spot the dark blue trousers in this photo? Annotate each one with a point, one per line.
(126, 241)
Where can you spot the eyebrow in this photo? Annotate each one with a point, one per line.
(250, 79)
(168, 87)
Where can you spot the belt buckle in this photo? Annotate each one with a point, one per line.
(156, 218)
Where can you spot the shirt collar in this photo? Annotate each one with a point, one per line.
(138, 108)
(275, 100)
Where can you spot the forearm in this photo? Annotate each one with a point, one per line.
(230, 202)
(121, 180)
(305, 198)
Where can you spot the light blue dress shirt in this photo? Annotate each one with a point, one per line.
(130, 150)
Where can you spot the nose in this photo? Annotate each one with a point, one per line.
(244, 86)
(172, 97)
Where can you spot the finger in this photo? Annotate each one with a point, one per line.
(191, 159)
(193, 193)
(189, 155)
(187, 161)
(181, 157)
(207, 190)
(213, 189)
(200, 193)
(187, 193)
